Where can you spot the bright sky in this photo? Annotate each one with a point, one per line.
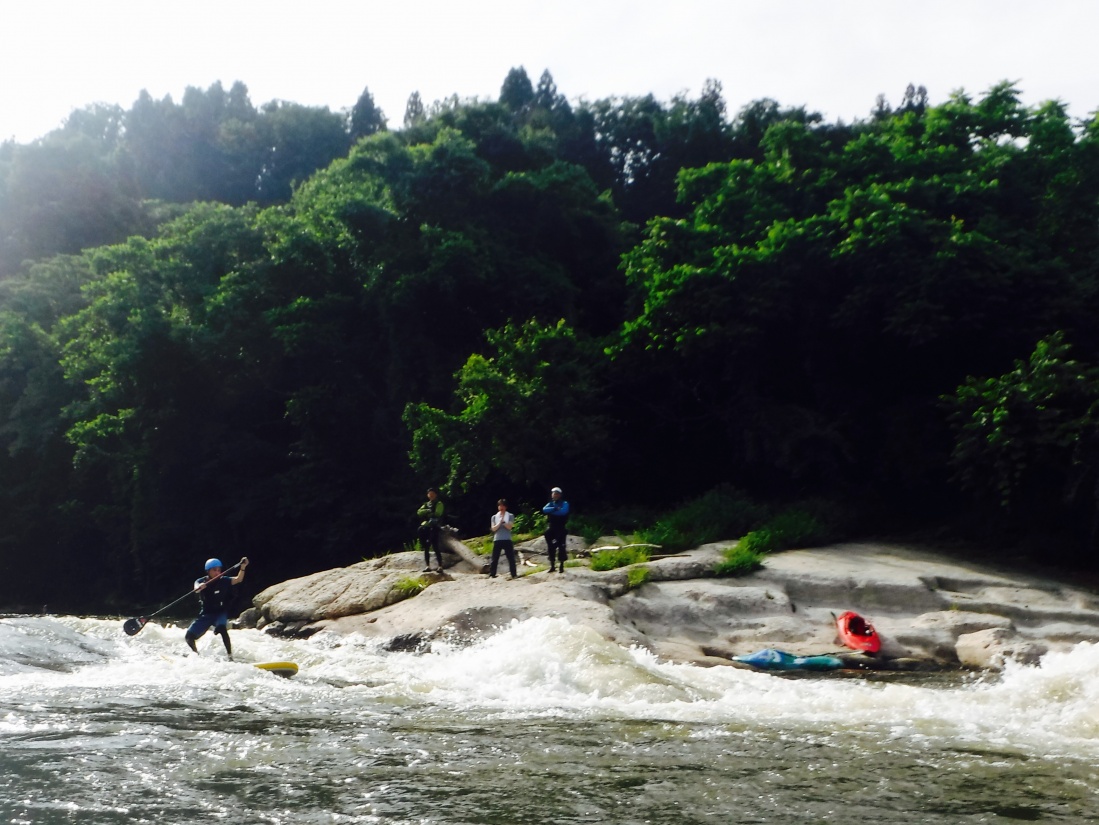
(835, 56)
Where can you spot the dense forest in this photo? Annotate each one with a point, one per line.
(229, 330)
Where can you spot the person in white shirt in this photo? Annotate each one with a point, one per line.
(502, 523)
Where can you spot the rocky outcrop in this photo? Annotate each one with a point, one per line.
(295, 607)
(930, 610)
(994, 646)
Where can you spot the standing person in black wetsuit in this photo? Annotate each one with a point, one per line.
(216, 593)
(431, 511)
(557, 511)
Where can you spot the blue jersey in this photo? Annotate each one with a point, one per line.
(558, 513)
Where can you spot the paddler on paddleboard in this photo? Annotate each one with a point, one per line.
(215, 591)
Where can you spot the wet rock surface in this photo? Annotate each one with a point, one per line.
(931, 610)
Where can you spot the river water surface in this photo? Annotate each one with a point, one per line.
(545, 722)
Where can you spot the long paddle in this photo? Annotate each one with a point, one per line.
(133, 626)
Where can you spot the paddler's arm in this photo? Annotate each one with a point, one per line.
(239, 577)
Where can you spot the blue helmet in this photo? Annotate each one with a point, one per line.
(212, 563)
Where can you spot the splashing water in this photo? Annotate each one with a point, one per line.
(542, 722)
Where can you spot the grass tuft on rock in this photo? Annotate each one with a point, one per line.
(790, 528)
(618, 557)
(409, 586)
(739, 560)
(638, 576)
(719, 514)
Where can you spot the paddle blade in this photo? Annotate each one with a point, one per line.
(133, 626)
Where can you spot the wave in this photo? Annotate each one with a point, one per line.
(549, 667)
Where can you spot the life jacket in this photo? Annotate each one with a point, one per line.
(217, 597)
(432, 512)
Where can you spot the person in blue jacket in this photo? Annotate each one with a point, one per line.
(215, 591)
(557, 511)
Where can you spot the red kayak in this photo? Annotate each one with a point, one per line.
(857, 633)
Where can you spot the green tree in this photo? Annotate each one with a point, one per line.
(298, 140)
(149, 424)
(366, 118)
(66, 192)
(1030, 431)
(546, 95)
(814, 303)
(517, 92)
(191, 151)
(1029, 441)
(46, 524)
(646, 144)
(414, 112)
(529, 411)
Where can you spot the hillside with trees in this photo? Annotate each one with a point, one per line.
(229, 330)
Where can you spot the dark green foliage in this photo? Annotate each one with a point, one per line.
(297, 141)
(760, 542)
(740, 559)
(517, 91)
(99, 178)
(531, 411)
(67, 192)
(786, 530)
(795, 527)
(718, 514)
(414, 113)
(619, 557)
(589, 529)
(1029, 440)
(808, 311)
(365, 118)
(645, 144)
(725, 511)
(531, 523)
(637, 300)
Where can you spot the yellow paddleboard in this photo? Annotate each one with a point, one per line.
(285, 669)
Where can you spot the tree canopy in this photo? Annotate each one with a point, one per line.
(265, 330)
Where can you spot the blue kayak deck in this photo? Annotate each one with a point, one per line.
(771, 659)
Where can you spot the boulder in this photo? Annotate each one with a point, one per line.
(991, 648)
(537, 549)
(330, 594)
(929, 609)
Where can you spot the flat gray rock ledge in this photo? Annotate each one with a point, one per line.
(932, 611)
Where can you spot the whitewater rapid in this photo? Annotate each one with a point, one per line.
(550, 697)
(548, 667)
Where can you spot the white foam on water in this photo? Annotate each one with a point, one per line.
(548, 667)
(542, 666)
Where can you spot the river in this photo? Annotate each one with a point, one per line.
(545, 722)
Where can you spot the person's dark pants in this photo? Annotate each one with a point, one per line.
(429, 540)
(198, 628)
(555, 545)
(509, 550)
